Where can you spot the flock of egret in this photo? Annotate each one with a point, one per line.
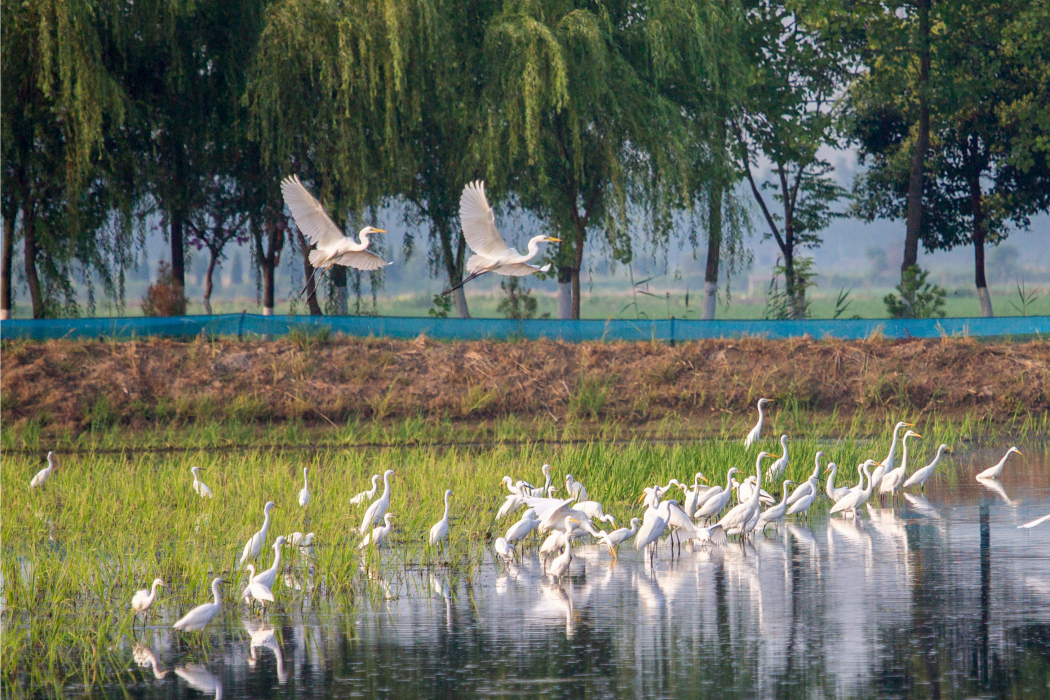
(706, 514)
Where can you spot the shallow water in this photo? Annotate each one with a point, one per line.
(941, 597)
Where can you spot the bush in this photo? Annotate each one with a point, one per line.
(917, 297)
(518, 304)
(164, 297)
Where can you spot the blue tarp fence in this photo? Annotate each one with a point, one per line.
(252, 325)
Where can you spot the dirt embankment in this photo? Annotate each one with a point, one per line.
(73, 384)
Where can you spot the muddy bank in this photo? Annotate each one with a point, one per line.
(73, 385)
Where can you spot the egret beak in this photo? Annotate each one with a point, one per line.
(951, 450)
(917, 435)
(574, 520)
(552, 240)
(378, 230)
(827, 470)
(640, 498)
(703, 478)
(1019, 453)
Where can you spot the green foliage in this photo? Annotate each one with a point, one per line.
(1025, 299)
(165, 296)
(782, 304)
(518, 303)
(309, 337)
(442, 306)
(915, 298)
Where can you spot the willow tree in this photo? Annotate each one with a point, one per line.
(323, 97)
(59, 102)
(576, 127)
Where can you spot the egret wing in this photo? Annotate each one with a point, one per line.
(520, 269)
(362, 260)
(479, 223)
(309, 215)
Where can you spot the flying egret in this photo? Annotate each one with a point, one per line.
(575, 489)
(379, 533)
(992, 473)
(491, 253)
(504, 549)
(617, 537)
(920, 476)
(333, 248)
(43, 474)
(809, 484)
(773, 515)
(255, 542)
(776, 469)
(560, 566)
(198, 618)
(304, 495)
(855, 498)
(529, 522)
(439, 533)
(756, 433)
(889, 463)
(367, 494)
(716, 503)
(268, 576)
(892, 480)
(1035, 523)
(143, 599)
(381, 505)
(835, 493)
(199, 487)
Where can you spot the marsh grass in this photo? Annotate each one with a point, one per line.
(107, 523)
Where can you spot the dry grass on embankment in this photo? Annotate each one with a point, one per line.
(74, 385)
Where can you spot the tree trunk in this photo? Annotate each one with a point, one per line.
(207, 283)
(268, 285)
(6, 300)
(979, 235)
(576, 294)
(453, 265)
(922, 144)
(29, 233)
(790, 283)
(268, 252)
(714, 250)
(178, 253)
(577, 264)
(311, 279)
(564, 293)
(341, 299)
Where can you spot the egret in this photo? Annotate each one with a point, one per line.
(515, 488)
(855, 498)
(255, 542)
(256, 589)
(1034, 523)
(992, 473)
(529, 522)
(740, 516)
(199, 487)
(777, 468)
(268, 576)
(773, 515)
(541, 492)
(835, 493)
(143, 599)
(575, 489)
(594, 511)
(380, 506)
(692, 496)
(654, 522)
(652, 495)
(717, 502)
(198, 618)
(756, 433)
(892, 480)
(304, 495)
(808, 485)
(491, 253)
(504, 549)
(802, 505)
(367, 494)
(306, 549)
(744, 492)
(888, 463)
(332, 247)
(379, 533)
(560, 566)
(294, 539)
(920, 476)
(710, 535)
(510, 504)
(43, 474)
(617, 537)
(558, 539)
(439, 533)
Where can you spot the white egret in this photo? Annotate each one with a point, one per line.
(855, 498)
(617, 537)
(692, 496)
(306, 549)
(778, 467)
(511, 504)
(268, 576)
(42, 475)
(558, 539)
(255, 542)
(575, 489)
(199, 487)
(889, 463)
(198, 618)
(594, 511)
(738, 518)
(678, 520)
(542, 491)
(652, 495)
(529, 522)
(381, 505)
(654, 522)
(717, 502)
(992, 473)
(515, 487)
(504, 549)
(560, 566)
(710, 535)
(367, 494)
(256, 590)
(304, 495)
(756, 433)
(893, 480)
(920, 477)
(744, 492)
(491, 253)
(835, 493)
(379, 533)
(439, 533)
(294, 539)
(803, 504)
(808, 485)
(251, 575)
(1035, 523)
(332, 247)
(143, 599)
(774, 514)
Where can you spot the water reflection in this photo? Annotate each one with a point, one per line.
(200, 679)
